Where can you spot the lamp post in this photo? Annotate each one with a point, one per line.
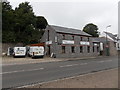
(107, 46)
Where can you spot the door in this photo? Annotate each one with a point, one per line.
(48, 51)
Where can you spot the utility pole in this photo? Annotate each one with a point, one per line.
(107, 46)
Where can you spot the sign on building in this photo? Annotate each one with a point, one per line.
(95, 44)
(84, 43)
(48, 42)
(67, 42)
(101, 46)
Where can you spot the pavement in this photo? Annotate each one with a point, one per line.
(91, 80)
(28, 74)
(7, 60)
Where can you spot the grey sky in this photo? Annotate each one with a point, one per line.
(76, 14)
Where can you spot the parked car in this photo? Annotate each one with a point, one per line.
(19, 51)
(36, 51)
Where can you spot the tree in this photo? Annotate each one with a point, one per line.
(7, 22)
(41, 22)
(21, 25)
(25, 18)
(91, 29)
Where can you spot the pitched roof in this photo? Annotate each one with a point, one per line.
(111, 35)
(69, 30)
(101, 39)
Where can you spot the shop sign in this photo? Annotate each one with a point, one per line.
(67, 42)
(101, 46)
(95, 44)
(48, 42)
(84, 43)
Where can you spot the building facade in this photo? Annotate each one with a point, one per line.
(67, 42)
(109, 49)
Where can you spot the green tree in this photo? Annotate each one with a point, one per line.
(21, 25)
(7, 22)
(41, 22)
(91, 29)
(24, 17)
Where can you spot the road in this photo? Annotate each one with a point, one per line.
(26, 74)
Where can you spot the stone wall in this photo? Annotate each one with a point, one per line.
(6, 45)
(113, 50)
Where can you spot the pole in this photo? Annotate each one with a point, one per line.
(107, 46)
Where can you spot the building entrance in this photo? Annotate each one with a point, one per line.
(48, 51)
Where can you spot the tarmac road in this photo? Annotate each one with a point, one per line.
(20, 75)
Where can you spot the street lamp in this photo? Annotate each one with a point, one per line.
(107, 47)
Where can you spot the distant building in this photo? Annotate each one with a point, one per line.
(112, 45)
(115, 38)
(67, 42)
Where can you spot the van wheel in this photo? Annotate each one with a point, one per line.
(33, 57)
(42, 56)
(24, 56)
(29, 55)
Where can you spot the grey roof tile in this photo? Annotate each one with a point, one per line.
(111, 35)
(69, 30)
(101, 39)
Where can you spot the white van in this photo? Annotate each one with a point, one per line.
(19, 51)
(36, 51)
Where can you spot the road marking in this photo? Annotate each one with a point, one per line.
(83, 63)
(22, 71)
(74, 65)
(69, 65)
(108, 60)
(105, 61)
(101, 61)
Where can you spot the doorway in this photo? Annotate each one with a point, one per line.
(48, 51)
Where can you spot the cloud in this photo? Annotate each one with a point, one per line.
(77, 14)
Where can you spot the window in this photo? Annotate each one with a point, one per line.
(97, 49)
(88, 49)
(93, 49)
(72, 37)
(88, 39)
(81, 49)
(63, 37)
(48, 35)
(81, 38)
(73, 49)
(63, 49)
(118, 45)
(114, 44)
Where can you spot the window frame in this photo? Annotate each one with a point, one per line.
(81, 38)
(88, 49)
(63, 49)
(93, 48)
(73, 37)
(73, 49)
(81, 49)
(63, 36)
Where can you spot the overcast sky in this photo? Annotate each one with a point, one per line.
(76, 13)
